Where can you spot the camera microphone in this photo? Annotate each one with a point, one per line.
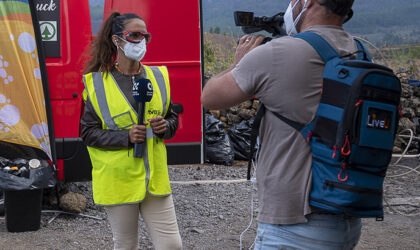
(142, 93)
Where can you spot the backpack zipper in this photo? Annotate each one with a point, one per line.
(332, 184)
(350, 167)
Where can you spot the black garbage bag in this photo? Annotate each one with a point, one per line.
(240, 138)
(19, 175)
(218, 147)
(1, 204)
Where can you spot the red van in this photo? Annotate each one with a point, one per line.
(67, 30)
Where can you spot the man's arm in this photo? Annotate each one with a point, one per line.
(222, 91)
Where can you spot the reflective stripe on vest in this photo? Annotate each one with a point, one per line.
(161, 82)
(101, 97)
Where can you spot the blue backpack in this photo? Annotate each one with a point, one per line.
(352, 134)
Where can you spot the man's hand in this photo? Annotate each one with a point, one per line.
(246, 44)
(137, 133)
(158, 125)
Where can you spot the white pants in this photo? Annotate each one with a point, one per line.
(159, 215)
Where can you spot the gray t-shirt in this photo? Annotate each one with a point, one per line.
(286, 75)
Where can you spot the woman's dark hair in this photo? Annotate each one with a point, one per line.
(103, 52)
(339, 7)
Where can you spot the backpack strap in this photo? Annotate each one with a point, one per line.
(324, 49)
(256, 127)
(365, 56)
(254, 134)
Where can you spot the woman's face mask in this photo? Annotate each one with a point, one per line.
(289, 23)
(134, 51)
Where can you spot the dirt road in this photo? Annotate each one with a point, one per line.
(212, 215)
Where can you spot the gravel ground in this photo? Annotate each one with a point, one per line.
(213, 215)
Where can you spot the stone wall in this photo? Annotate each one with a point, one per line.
(410, 102)
(410, 106)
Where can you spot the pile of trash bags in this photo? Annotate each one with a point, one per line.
(218, 147)
(221, 147)
(23, 174)
(240, 138)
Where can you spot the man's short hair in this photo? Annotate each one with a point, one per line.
(338, 7)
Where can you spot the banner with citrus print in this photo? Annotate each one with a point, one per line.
(23, 117)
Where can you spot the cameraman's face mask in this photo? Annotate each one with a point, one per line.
(289, 23)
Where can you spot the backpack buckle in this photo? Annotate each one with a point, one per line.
(335, 151)
(346, 149)
(343, 170)
(309, 137)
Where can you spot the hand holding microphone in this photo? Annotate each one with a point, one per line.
(137, 133)
(158, 125)
(142, 93)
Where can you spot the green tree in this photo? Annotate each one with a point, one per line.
(217, 30)
(211, 30)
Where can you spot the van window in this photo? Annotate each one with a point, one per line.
(96, 14)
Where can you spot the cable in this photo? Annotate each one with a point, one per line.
(253, 181)
(406, 148)
(411, 136)
(411, 169)
(371, 44)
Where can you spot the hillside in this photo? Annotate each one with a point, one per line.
(384, 22)
(219, 50)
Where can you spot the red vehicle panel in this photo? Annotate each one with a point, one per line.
(65, 72)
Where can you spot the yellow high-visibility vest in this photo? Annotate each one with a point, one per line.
(117, 176)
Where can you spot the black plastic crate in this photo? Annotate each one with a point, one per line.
(23, 209)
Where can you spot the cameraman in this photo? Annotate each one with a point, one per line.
(286, 75)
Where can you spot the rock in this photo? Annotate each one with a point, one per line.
(408, 112)
(397, 150)
(255, 104)
(215, 113)
(415, 102)
(233, 119)
(246, 114)
(405, 102)
(207, 75)
(196, 230)
(73, 202)
(416, 92)
(234, 110)
(406, 123)
(246, 104)
(405, 92)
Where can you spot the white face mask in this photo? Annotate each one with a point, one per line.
(134, 51)
(289, 23)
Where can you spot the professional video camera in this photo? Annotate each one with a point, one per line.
(251, 24)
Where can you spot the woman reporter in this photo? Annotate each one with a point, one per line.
(123, 184)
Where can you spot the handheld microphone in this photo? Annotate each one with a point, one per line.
(142, 93)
